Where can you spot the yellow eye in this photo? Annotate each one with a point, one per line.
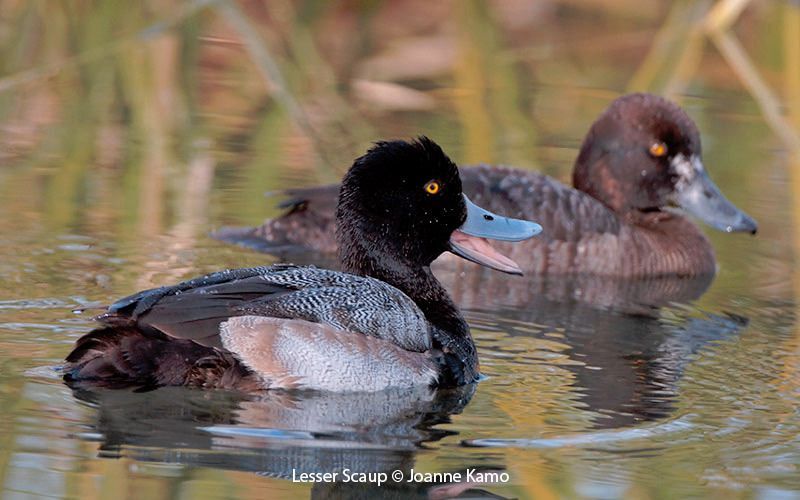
(658, 149)
(432, 187)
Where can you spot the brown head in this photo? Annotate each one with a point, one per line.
(644, 154)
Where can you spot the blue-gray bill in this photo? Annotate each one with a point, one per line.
(470, 240)
(699, 196)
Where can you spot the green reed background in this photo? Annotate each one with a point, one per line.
(95, 95)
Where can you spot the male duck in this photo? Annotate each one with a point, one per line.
(384, 322)
(640, 157)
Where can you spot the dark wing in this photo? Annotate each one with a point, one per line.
(194, 309)
(579, 233)
(139, 303)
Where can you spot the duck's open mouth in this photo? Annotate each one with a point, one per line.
(470, 240)
(480, 251)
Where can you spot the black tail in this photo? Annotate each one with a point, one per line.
(120, 357)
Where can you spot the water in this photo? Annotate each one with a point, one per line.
(131, 134)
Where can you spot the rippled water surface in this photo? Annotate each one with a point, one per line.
(126, 135)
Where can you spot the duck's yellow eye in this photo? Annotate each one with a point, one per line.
(658, 149)
(432, 187)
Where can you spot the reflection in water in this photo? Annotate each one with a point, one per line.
(629, 358)
(340, 430)
(629, 366)
(277, 434)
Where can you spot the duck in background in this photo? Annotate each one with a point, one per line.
(641, 158)
(384, 322)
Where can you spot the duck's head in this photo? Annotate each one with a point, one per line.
(401, 204)
(643, 154)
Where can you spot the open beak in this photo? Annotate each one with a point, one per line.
(470, 240)
(697, 194)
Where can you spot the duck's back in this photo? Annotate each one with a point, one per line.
(566, 214)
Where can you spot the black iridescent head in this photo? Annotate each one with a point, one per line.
(644, 154)
(401, 203)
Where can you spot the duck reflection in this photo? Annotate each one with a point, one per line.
(281, 434)
(631, 366)
(633, 339)
(390, 421)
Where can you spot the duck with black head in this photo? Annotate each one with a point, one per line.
(383, 322)
(640, 161)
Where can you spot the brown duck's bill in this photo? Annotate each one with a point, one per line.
(470, 240)
(698, 195)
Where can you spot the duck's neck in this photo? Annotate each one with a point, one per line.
(418, 282)
(450, 331)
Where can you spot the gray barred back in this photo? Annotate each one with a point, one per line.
(194, 308)
(345, 301)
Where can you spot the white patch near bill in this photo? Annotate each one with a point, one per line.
(686, 169)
